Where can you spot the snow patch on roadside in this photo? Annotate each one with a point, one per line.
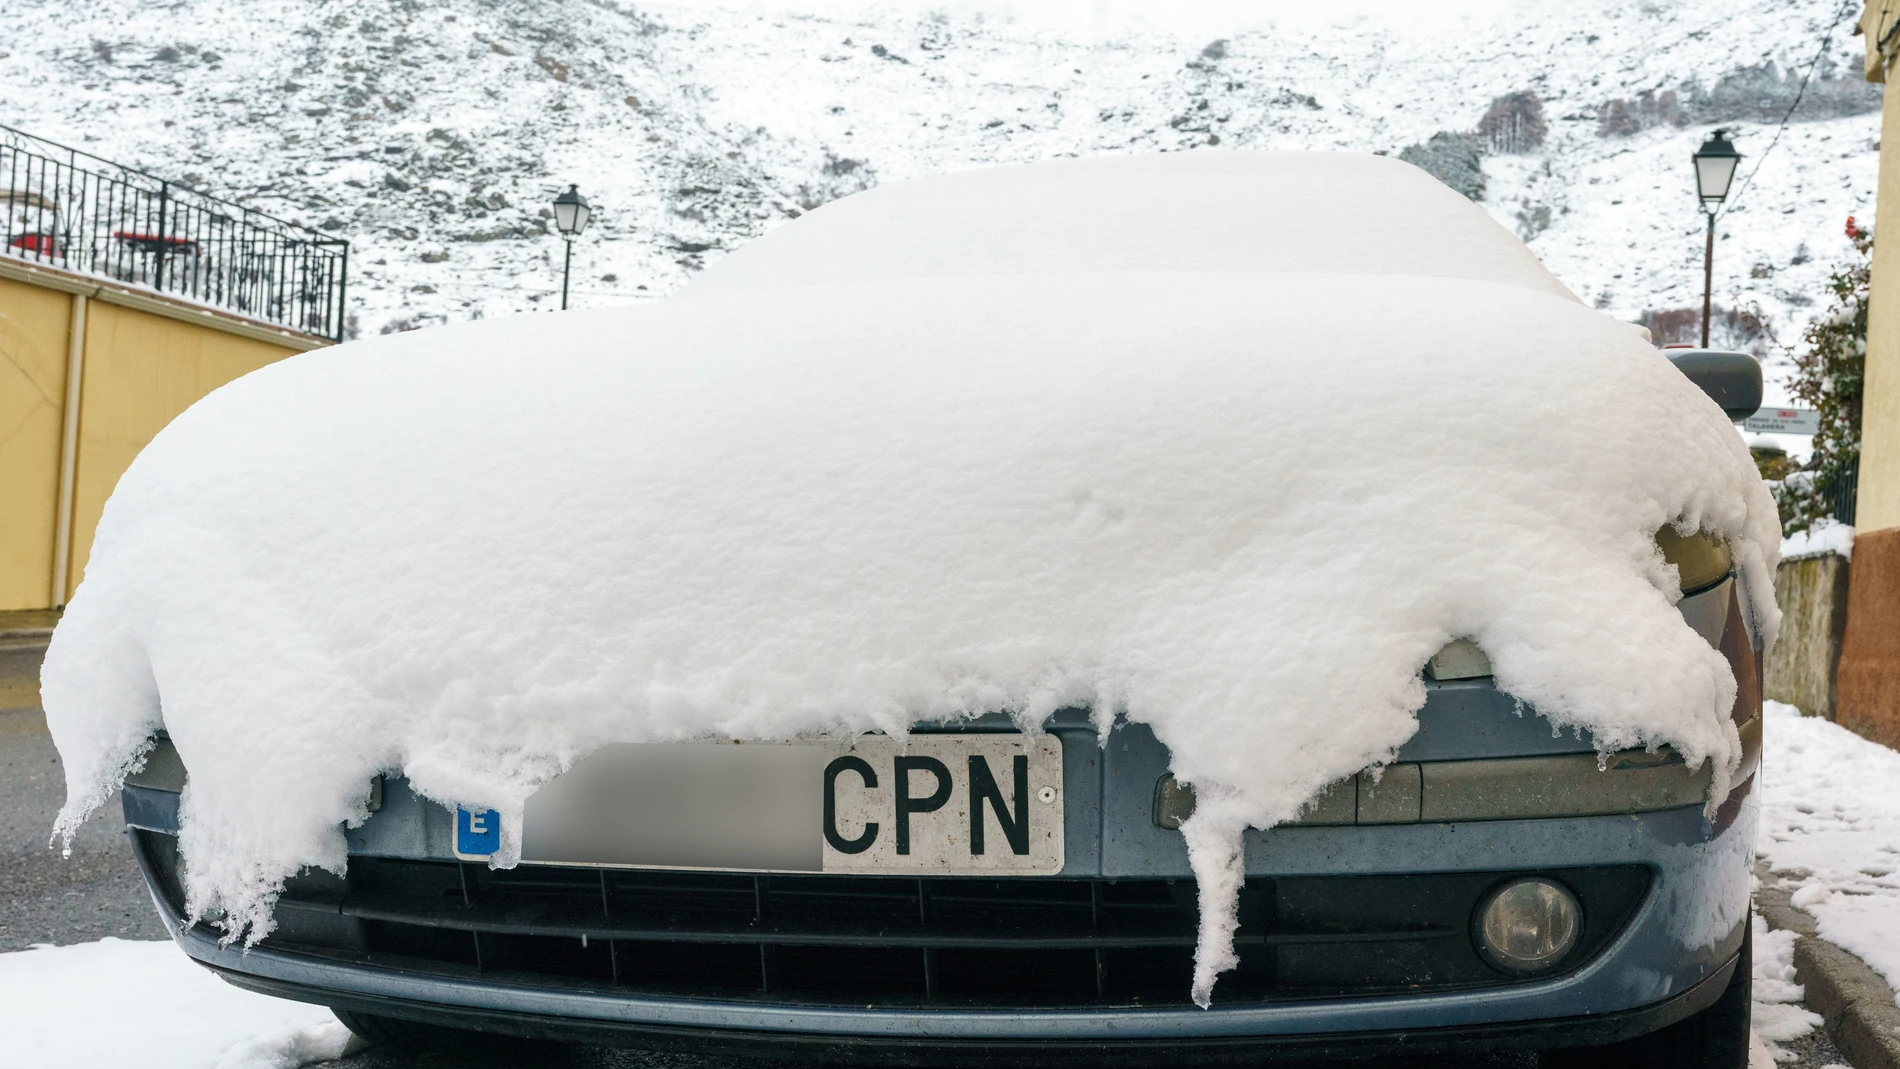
(150, 1006)
(472, 555)
(1831, 831)
(1778, 1014)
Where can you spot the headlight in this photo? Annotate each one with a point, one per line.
(1700, 560)
(1528, 925)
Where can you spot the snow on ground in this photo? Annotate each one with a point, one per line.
(837, 508)
(1778, 1015)
(1831, 830)
(148, 1005)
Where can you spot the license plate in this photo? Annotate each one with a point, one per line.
(967, 804)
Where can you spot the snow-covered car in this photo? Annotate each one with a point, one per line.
(935, 864)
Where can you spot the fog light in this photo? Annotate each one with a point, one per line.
(1528, 925)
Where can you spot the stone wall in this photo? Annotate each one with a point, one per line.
(1800, 669)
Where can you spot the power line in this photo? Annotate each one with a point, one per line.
(1826, 39)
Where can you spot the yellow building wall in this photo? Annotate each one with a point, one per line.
(1878, 504)
(34, 346)
(141, 371)
(1867, 680)
(144, 360)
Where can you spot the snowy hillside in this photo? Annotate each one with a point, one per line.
(432, 135)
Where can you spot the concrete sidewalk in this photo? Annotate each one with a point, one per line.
(1858, 1007)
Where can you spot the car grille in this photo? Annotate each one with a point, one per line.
(870, 941)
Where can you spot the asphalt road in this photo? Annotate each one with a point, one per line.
(98, 892)
(45, 898)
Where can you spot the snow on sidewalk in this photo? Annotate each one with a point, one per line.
(1778, 1014)
(1831, 830)
(118, 1002)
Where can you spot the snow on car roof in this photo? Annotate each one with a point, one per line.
(1320, 212)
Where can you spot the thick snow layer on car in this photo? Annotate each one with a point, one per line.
(1241, 507)
(1331, 212)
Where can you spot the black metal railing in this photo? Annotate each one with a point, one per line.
(76, 211)
(1842, 491)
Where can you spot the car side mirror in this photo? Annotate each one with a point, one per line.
(1732, 380)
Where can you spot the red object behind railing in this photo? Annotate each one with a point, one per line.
(96, 217)
(156, 242)
(43, 244)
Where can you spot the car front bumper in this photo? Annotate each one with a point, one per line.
(651, 1026)
(1667, 954)
(1671, 958)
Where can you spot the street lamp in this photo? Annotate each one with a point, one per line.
(571, 212)
(1714, 169)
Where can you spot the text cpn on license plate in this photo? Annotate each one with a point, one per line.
(950, 804)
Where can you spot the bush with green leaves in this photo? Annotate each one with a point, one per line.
(1828, 376)
(1452, 158)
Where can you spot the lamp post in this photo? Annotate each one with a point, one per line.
(571, 212)
(1714, 169)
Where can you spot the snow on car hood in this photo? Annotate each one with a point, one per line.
(1242, 508)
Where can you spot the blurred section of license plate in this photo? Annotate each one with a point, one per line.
(967, 804)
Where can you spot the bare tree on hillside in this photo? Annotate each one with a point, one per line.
(1514, 124)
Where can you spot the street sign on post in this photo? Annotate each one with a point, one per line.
(1784, 421)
